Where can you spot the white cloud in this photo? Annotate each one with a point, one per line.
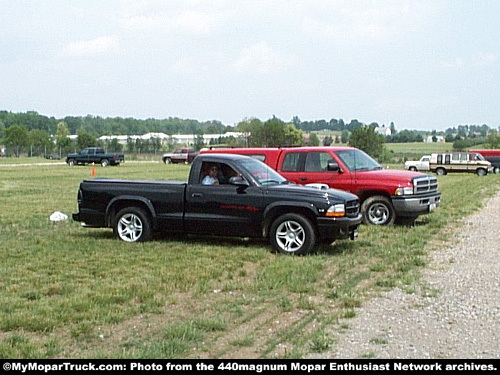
(187, 21)
(97, 46)
(261, 58)
(347, 21)
(187, 66)
(479, 60)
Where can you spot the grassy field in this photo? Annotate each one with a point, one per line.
(73, 292)
(419, 148)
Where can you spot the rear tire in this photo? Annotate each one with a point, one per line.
(71, 162)
(132, 224)
(104, 162)
(440, 171)
(292, 234)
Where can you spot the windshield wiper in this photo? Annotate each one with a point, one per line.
(270, 182)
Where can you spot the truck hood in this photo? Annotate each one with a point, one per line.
(397, 176)
(311, 192)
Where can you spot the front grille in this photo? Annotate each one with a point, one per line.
(427, 184)
(352, 208)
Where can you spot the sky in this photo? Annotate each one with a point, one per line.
(423, 65)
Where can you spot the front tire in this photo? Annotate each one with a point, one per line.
(378, 210)
(292, 234)
(104, 162)
(132, 224)
(481, 172)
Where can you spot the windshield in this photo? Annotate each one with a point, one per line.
(357, 160)
(262, 173)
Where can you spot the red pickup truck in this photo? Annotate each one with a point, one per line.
(181, 155)
(385, 194)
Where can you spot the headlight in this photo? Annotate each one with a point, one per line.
(404, 190)
(336, 210)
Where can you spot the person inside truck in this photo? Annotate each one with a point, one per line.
(212, 175)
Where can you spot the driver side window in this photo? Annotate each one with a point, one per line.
(216, 173)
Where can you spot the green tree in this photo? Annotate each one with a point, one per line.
(272, 133)
(84, 140)
(493, 139)
(16, 138)
(367, 140)
(344, 137)
(39, 142)
(460, 145)
(313, 139)
(2, 130)
(63, 143)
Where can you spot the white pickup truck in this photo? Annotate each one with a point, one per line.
(421, 165)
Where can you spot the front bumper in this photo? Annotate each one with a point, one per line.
(339, 228)
(415, 205)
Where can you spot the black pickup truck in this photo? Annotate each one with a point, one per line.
(95, 155)
(250, 200)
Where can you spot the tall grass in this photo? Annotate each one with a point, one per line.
(68, 291)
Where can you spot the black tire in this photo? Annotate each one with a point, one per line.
(414, 169)
(167, 161)
(132, 224)
(481, 172)
(71, 162)
(496, 170)
(440, 171)
(104, 162)
(292, 234)
(378, 210)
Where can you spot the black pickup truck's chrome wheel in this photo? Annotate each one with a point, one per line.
(292, 234)
(132, 225)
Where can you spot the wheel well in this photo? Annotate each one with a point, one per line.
(282, 210)
(364, 195)
(119, 205)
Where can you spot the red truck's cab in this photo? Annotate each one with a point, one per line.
(385, 194)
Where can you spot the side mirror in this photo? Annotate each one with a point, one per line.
(238, 181)
(334, 167)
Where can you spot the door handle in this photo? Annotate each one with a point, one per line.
(196, 195)
(303, 179)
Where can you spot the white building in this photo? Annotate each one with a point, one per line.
(439, 139)
(187, 139)
(382, 130)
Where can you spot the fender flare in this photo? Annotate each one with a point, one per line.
(121, 198)
(291, 207)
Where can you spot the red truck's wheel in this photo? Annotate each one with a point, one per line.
(132, 225)
(378, 210)
(292, 234)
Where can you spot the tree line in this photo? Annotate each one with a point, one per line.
(37, 134)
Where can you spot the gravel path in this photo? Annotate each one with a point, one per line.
(456, 312)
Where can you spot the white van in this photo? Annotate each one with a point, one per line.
(465, 162)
